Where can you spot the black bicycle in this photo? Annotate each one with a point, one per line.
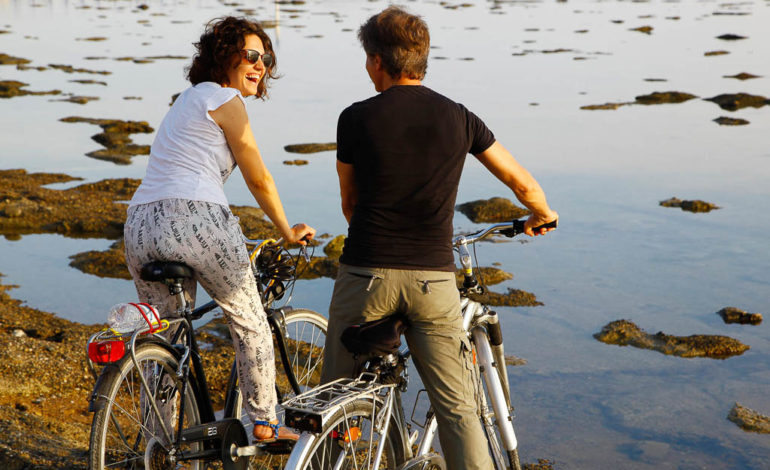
(151, 402)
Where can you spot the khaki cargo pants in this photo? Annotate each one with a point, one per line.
(440, 350)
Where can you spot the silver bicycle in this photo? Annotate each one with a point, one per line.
(360, 422)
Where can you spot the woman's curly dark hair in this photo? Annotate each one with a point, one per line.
(219, 49)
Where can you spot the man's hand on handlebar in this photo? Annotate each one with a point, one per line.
(540, 224)
(300, 233)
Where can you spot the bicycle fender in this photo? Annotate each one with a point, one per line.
(98, 397)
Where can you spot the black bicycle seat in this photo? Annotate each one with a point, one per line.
(380, 337)
(160, 271)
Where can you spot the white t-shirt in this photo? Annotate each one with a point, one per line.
(190, 158)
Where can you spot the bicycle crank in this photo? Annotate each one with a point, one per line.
(222, 438)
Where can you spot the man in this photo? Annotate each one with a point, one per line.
(399, 159)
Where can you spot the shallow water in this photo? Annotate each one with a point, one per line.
(617, 254)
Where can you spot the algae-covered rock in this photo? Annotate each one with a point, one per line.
(13, 88)
(743, 76)
(736, 101)
(6, 59)
(319, 266)
(691, 206)
(496, 209)
(643, 29)
(728, 121)
(297, 162)
(736, 315)
(486, 276)
(715, 53)
(731, 37)
(605, 106)
(749, 420)
(333, 248)
(311, 148)
(116, 138)
(541, 464)
(109, 263)
(512, 298)
(70, 69)
(626, 333)
(88, 210)
(662, 97)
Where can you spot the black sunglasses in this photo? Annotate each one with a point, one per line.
(253, 56)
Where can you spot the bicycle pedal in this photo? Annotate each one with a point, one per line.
(279, 447)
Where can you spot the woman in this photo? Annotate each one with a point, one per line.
(180, 212)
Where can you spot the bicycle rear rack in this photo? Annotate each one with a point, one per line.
(311, 410)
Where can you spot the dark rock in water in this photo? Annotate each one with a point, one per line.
(486, 276)
(119, 146)
(728, 121)
(110, 263)
(731, 37)
(13, 88)
(333, 248)
(89, 82)
(594, 107)
(318, 267)
(295, 162)
(79, 99)
(512, 298)
(736, 315)
(70, 69)
(664, 97)
(496, 209)
(690, 206)
(743, 76)
(542, 464)
(643, 29)
(511, 360)
(626, 333)
(736, 101)
(715, 53)
(6, 59)
(749, 420)
(311, 148)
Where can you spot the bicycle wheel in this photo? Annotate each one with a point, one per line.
(305, 337)
(122, 429)
(350, 440)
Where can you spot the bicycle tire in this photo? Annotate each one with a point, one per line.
(305, 337)
(318, 451)
(122, 428)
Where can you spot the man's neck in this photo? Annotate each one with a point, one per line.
(388, 81)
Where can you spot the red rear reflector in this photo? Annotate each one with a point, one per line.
(106, 352)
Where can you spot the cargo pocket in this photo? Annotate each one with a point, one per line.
(471, 371)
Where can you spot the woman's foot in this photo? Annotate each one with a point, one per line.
(263, 433)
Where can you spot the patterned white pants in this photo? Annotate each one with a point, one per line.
(207, 238)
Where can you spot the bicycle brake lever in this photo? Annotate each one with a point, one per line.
(304, 253)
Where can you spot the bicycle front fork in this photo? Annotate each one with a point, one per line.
(487, 366)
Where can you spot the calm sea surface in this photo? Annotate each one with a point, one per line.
(525, 67)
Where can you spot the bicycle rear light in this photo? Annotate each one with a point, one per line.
(106, 352)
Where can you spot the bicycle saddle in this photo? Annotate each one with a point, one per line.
(377, 337)
(159, 271)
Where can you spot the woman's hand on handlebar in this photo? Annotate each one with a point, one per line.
(536, 223)
(300, 233)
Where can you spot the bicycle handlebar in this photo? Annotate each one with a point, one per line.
(509, 229)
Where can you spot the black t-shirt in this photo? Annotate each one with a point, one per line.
(407, 146)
